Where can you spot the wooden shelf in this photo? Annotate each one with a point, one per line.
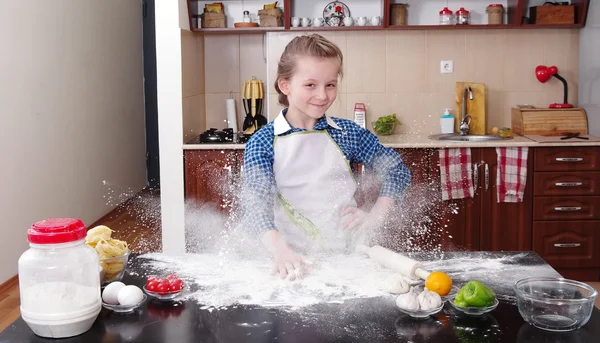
(550, 26)
(515, 10)
(238, 30)
(451, 27)
(336, 28)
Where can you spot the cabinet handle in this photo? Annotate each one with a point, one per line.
(228, 168)
(362, 174)
(567, 245)
(568, 184)
(567, 209)
(487, 177)
(475, 178)
(569, 159)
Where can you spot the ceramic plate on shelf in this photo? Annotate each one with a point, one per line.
(335, 9)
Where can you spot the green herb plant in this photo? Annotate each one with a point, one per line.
(385, 125)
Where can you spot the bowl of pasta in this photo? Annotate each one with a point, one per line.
(113, 254)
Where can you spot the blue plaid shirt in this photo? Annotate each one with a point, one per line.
(358, 145)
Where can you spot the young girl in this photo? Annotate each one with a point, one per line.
(298, 183)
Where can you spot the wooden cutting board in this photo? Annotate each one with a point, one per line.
(556, 139)
(475, 107)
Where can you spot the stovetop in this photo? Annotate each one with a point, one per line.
(215, 136)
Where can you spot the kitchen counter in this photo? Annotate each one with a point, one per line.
(410, 140)
(359, 320)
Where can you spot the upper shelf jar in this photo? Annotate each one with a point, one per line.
(495, 14)
(446, 17)
(462, 16)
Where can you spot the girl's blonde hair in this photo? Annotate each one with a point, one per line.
(313, 45)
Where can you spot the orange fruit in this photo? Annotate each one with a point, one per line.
(439, 282)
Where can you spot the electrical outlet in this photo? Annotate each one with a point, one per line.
(446, 67)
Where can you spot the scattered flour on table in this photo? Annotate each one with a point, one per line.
(219, 281)
(224, 281)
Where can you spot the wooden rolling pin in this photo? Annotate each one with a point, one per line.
(394, 261)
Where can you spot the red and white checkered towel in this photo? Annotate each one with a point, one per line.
(456, 173)
(512, 174)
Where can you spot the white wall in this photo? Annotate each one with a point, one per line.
(71, 113)
(589, 68)
(170, 123)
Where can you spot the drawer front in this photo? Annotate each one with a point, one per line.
(566, 208)
(567, 159)
(568, 244)
(566, 183)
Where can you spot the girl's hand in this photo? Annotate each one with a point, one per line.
(353, 218)
(288, 263)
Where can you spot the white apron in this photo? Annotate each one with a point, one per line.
(315, 183)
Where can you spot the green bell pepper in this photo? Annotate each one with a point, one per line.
(477, 294)
(459, 300)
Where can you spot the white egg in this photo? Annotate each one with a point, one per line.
(111, 291)
(130, 295)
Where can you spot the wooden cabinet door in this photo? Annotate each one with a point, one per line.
(504, 226)
(457, 220)
(209, 177)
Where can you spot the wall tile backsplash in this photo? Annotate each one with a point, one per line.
(394, 71)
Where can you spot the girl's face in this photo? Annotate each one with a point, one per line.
(312, 88)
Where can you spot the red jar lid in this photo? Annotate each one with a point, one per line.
(495, 5)
(445, 11)
(56, 230)
(462, 10)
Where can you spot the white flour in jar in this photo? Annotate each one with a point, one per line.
(59, 297)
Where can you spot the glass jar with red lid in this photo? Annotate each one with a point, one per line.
(59, 279)
(446, 17)
(462, 17)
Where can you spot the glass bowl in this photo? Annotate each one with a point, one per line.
(113, 268)
(555, 304)
(164, 297)
(474, 311)
(421, 314)
(384, 129)
(124, 308)
(450, 296)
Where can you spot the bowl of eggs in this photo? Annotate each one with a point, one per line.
(119, 297)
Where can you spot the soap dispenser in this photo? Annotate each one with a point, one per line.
(447, 122)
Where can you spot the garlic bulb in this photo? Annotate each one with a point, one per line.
(408, 301)
(429, 300)
(395, 284)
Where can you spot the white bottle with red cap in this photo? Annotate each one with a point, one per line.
(59, 281)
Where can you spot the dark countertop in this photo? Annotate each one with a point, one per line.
(360, 320)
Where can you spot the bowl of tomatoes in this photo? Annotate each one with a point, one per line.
(164, 288)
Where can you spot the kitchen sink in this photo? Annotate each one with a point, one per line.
(468, 138)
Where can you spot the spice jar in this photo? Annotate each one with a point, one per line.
(59, 279)
(495, 14)
(446, 17)
(462, 16)
(247, 17)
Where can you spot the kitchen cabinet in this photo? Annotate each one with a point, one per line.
(566, 210)
(422, 15)
(212, 178)
(481, 223)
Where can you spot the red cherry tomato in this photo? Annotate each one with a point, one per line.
(152, 285)
(172, 277)
(152, 278)
(163, 287)
(176, 286)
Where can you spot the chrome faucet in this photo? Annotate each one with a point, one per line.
(465, 120)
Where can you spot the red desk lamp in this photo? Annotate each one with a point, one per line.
(544, 74)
